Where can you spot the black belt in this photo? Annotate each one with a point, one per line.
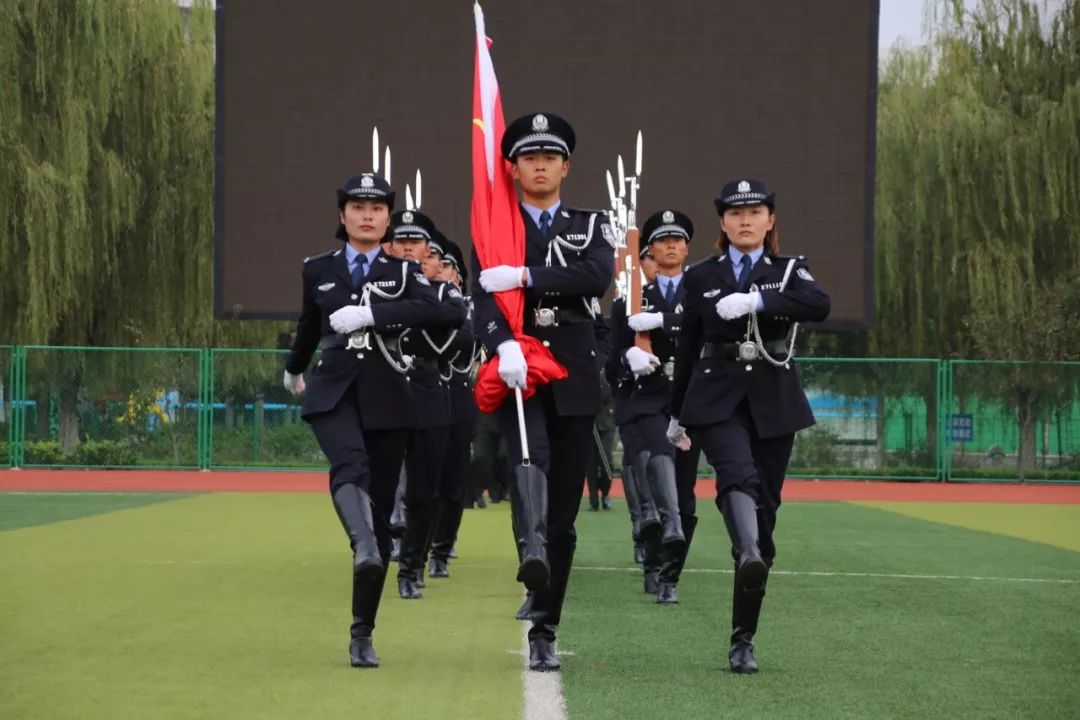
(538, 316)
(730, 350)
(333, 341)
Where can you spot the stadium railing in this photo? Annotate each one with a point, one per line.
(909, 419)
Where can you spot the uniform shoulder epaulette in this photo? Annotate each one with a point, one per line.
(785, 258)
(703, 262)
(320, 256)
(587, 211)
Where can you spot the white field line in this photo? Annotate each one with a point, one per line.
(543, 691)
(893, 576)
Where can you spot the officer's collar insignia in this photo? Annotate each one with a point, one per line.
(712, 293)
(422, 279)
(407, 216)
(326, 286)
(804, 274)
(367, 181)
(382, 259)
(767, 260)
(565, 214)
(540, 123)
(744, 186)
(668, 216)
(678, 308)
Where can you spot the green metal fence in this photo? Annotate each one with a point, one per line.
(899, 419)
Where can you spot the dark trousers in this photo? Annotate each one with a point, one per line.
(597, 477)
(489, 469)
(425, 462)
(371, 460)
(744, 461)
(559, 447)
(451, 494)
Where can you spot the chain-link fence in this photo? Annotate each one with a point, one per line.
(254, 421)
(876, 418)
(226, 409)
(110, 407)
(1013, 421)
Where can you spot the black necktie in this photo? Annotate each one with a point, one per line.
(669, 296)
(545, 223)
(744, 273)
(358, 270)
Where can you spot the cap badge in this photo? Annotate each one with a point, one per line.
(407, 216)
(540, 123)
(367, 181)
(668, 217)
(744, 186)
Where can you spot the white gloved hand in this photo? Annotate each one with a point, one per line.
(501, 277)
(646, 321)
(294, 383)
(641, 362)
(736, 305)
(676, 435)
(512, 366)
(350, 318)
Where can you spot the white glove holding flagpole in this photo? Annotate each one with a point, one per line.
(512, 366)
(294, 383)
(646, 321)
(641, 362)
(676, 435)
(736, 305)
(501, 277)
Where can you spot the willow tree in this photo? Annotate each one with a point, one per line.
(106, 175)
(978, 191)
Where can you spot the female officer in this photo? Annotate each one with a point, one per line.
(356, 302)
(735, 389)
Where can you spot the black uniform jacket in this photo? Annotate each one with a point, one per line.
(707, 390)
(650, 394)
(432, 350)
(383, 391)
(587, 245)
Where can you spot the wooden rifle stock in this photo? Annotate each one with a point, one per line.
(633, 291)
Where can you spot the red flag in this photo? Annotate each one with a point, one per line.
(498, 230)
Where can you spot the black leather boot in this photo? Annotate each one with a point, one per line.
(444, 537)
(740, 517)
(542, 657)
(671, 570)
(640, 475)
(661, 475)
(397, 518)
(547, 609)
(653, 558)
(365, 606)
(353, 508)
(745, 611)
(525, 611)
(528, 504)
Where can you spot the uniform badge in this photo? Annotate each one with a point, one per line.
(540, 123)
(744, 186)
(421, 278)
(326, 286)
(492, 327)
(678, 308)
(454, 292)
(407, 216)
(668, 216)
(596, 306)
(608, 234)
(804, 274)
(711, 293)
(367, 181)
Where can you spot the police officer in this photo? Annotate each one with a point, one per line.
(736, 391)
(569, 260)
(459, 367)
(356, 302)
(416, 238)
(667, 236)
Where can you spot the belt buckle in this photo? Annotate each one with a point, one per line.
(544, 317)
(669, 369)
(359, 340)
(748, 351)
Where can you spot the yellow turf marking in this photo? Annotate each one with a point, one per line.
(1057, 525)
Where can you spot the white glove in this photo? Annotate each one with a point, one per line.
(736, 305)
(512, 365)
(676, 435)
(644, 322)
(501, 277)
(351, 317)
(641, 362)
(294, 383)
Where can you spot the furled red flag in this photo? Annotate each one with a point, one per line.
(498, 231)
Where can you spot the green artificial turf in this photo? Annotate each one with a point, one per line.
(237, 606)
(830, 646)
(21, 509)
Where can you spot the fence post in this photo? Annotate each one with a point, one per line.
(206, 408)
(18, 427)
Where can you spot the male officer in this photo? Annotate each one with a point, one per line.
(415, 238)
(356, 302)
(452, 492)
(667, 235)
(569, 260)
